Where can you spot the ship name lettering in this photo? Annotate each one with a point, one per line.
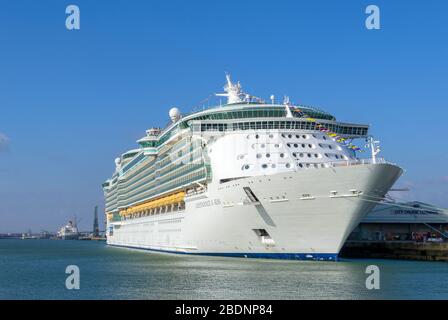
(208, 203)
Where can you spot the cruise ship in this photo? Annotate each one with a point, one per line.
(248, 178)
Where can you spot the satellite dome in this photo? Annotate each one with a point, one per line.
(174, 114)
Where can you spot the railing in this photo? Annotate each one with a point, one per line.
(276, 123)
(191, 193)
(346, 163)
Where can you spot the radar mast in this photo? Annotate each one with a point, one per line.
(233, 91)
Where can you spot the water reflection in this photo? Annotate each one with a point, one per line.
(35, 270)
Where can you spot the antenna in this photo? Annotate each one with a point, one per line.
(272, 99)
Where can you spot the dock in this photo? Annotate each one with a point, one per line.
(405, 250)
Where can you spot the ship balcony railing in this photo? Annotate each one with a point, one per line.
(346, 163)
(196, 191)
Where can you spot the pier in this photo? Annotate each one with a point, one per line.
(404, 250)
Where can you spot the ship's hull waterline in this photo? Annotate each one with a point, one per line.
(307, 214)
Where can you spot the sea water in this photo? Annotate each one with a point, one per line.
(36, 269)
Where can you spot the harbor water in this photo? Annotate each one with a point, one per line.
(35, 269)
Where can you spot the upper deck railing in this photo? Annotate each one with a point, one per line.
(347, 163)
(344, 129)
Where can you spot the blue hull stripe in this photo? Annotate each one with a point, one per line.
(284, 256)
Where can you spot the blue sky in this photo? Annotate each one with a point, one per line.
(71, 101)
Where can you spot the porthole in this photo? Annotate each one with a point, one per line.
(294, 154)
(303, 145)
(262, 145)
(257, 136)
(245, 167)
(271, 136)
(283, 135)
(310, 146)
(324, 137)
(289, 136)
(288, 165)
(264, 166)
(330, 147)
(282, 155)
(277, 145)
(307, 165)
(301, 155)
(289, 145)
(316, 165)
(297, 136)
(316, 155)
(304, 137)
(309, 155)
(300, 165)
(296, 145)
(258, 155)
(273, 165)
(268, 155)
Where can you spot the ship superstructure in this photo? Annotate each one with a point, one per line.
(248, 179)
(69, 231)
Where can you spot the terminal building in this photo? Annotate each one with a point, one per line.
(411, 221)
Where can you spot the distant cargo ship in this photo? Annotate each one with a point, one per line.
(29, 236)
(69, 231)
(246, 179)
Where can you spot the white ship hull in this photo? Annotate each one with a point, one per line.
(70, 236)
(308, 214)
